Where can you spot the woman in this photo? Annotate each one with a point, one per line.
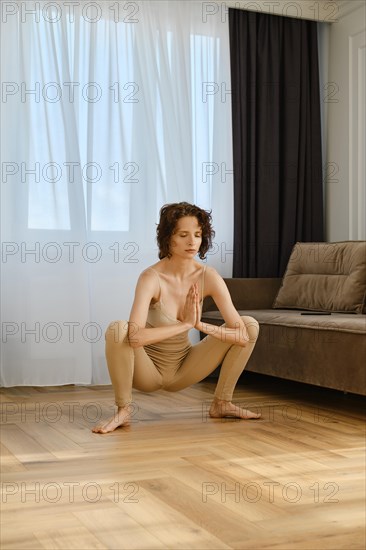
(152, 350)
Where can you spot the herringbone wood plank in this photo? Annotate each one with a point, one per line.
(178, 479)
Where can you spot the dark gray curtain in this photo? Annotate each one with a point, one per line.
(278, 192)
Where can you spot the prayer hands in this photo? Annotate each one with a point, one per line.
(191, 312)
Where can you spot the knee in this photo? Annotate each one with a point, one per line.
(117, 332)
(252, 327)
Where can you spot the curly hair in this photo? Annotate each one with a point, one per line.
(169, 216)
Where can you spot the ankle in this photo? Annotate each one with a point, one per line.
(217, 401)
(123, 407)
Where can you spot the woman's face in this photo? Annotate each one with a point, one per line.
(187, 238)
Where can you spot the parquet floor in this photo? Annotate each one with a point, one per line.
(178, 479)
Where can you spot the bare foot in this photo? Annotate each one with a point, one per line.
(120, 418)
(222, 409)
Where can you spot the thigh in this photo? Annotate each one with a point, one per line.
(146, 376)
(206, 356)
(202, 359)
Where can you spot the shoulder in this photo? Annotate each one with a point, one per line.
(212, 274)
(147, 285)
(148, 276)
(154, 269)
(213, 282)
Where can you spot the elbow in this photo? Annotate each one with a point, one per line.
(134, 344)
(244, 339)
(134, 338)
(250, 333)
(241, 340)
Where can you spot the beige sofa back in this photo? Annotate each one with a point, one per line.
(325, 277)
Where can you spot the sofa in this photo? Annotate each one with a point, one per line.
(312, 321)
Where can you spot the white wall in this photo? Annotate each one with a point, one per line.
(345, 100)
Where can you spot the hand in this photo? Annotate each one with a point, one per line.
(191, 305)
(198, 314)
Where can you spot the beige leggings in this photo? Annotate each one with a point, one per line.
(132, 367)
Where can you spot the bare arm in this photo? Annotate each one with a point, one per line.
(235, 330)
(138, 334)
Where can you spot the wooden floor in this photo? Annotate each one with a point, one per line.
(177, 479)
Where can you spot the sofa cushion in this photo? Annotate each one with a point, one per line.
(325, 277)
(339, 322)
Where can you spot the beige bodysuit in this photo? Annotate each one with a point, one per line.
(174, 363)
(169, 353)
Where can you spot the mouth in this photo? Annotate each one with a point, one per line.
(190, 250)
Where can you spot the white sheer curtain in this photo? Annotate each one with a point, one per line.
(107, 114)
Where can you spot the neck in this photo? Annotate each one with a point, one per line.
(179, 267)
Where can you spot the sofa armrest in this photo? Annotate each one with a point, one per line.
(248, 293)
